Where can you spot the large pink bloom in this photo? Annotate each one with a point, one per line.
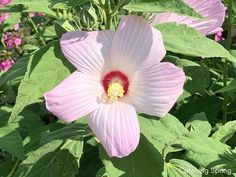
(212, 10)
(4, 2)
(118, 73)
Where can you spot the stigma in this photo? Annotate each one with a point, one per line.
(115, 91)
(115, 85)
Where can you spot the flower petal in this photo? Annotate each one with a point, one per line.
(74, 97)
(87, 50)
(116, 126)
(156, 88)
(135, 43)
(212, 10)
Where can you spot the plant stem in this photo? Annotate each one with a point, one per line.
(115, 11)
(36, 30)
(228, 45)
(14, 168)
(108, 14)
(3, 43)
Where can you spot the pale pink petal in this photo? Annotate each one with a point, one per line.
(135, 43)
(212, 10)
(74, 97)
(116, 126)
(87, 50)
(156, 88)
(4, 2)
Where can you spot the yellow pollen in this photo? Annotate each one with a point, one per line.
(115, 91)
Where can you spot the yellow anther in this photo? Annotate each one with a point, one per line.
(115, 91)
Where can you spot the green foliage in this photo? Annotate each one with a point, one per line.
(199, 125)
(46, 68)
(177, 167)
(230, 87)
(203, 150)
(187, 41)
(77, 131)
(162, 132)
(192, 140)
(49, 158)
(36, 6)
(225, 132)
(177, 6)
(15, 74)
(143, 158)
(11, 141)
(13, 19)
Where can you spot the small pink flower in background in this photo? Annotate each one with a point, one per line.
(118, 73)
(3, 17)
(219, 37)
(16, 26)
(11, 41)
(17, 41)
(4, 2)
(212, 10)
(34, 14)
(6, 64)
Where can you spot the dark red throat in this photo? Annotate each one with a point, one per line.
(115, 76)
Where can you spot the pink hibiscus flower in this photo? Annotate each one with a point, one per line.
(212, 10)
(118, 73)
(4, 2)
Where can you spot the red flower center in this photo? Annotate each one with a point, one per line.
(115, 77)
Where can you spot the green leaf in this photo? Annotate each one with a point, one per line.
(90, 163)
(26, 122)
(225, 165)
(49, 160)
(46, 68)
(230, 87)
(32, 141)
(16, 73)
(11, 141)
(77, 131)
(202, 150)
(155, 6)
(13, 19)
(66, 4)
(62, 27)
(199, 125)
(75, 147)
(185, 40)
(6, 165)
(30, 47)
(180, 168)
(5, 112)
(225, 132)
(36, 6)
(161, 132)
(144, 161)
